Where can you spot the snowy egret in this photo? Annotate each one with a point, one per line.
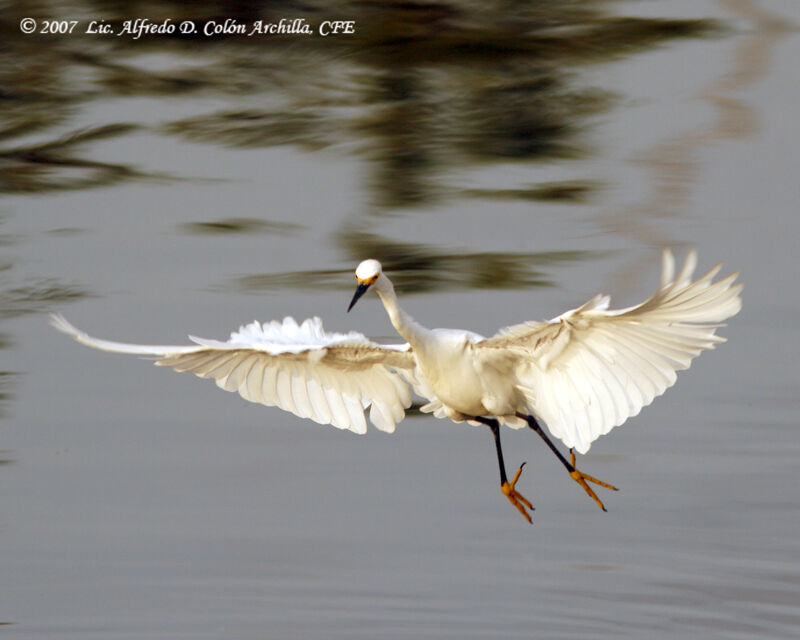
(580, 374)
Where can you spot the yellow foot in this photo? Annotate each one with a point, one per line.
(582, 479)
(516, 498)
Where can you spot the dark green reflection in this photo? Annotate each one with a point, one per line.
(419, 89)
(37, 296)
(57, 165)
(419, 268)
(6, 381)
(30, 297)
(567, 191)
(240, 225)
(247, 129)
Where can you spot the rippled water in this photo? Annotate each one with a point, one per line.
(504, 163)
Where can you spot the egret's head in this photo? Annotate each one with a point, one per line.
(367, 274)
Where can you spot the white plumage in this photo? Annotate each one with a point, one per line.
(581, 373)
(330, 378)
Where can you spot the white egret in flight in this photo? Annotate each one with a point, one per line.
(579, 374)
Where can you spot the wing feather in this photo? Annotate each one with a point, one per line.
(319, 404)
(220, 371)
(302, 407)
(590, 369)
(340, 417)
(269, 386)
(237, 378)
(356, 412)
(206, 363)
(254, 382)
(331, 378)
(284, 389)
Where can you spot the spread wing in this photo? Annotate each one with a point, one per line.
(590, 369)
(330, 378)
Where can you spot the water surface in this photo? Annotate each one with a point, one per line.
(505, 164)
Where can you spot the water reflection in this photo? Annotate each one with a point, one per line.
(36, 296)
(672, 164)
(6, 381)
(251, 128)
(57, 166)
(575, 191)
(419, 268)
(240, 225)
(418, 88)
(31, 296)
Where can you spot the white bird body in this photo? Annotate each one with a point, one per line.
(457, 378)
(581, 373)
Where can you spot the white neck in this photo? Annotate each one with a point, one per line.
(406, 326)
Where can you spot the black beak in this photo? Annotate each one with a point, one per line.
(360, 291)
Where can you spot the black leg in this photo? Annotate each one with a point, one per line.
(533, 424)
(517, 499)
(578, 476)
(494, 425)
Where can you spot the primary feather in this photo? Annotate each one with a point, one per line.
(330, 378)
(590, 369)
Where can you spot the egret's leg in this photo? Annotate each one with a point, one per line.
(578, 476)
(586, 476)
(508, 488)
